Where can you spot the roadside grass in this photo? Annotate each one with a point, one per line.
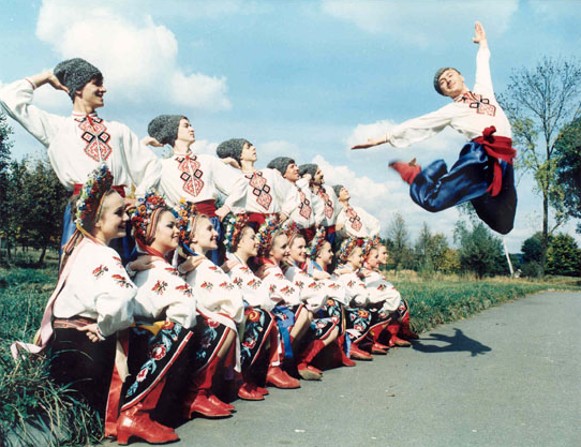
(33, 410)
(31, 405)
(447, 298)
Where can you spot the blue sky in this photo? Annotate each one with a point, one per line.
(299, 78)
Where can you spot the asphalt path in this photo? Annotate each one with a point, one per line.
(509, 376)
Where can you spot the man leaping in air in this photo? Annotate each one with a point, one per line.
(483, 173)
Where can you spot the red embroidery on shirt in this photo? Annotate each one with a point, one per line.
(328, 203)
(191, 174)
(260, 189)
(96, 136)
(159, 287)
(354, 219)
(478, 102)
(122, 281)
(185, 289)
(100, 271)
(305, 206)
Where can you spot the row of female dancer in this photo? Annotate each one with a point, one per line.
(141, 341)
(140, 338)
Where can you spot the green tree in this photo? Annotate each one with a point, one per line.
(532, 248)
(539, 102)
(563, 256)
(480, 251)
(568, 147)
(398, 244)
(532, 256)
(44, 199)
(14, 206)
(5, 146)
(429, 250)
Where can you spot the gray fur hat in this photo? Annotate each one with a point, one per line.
(232, 148)
(308, 168)
(164, 128)
(439, 73)
(281, 164)
(337, 189)
(75, 74)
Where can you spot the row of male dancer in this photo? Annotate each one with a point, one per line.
(145, 347)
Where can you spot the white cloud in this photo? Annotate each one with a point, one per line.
(137, 56)
(400, 19)
(277, 148)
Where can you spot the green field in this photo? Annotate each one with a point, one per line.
(26, 391)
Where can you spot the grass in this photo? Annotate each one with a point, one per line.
(31, 405)
(447, 298)
(33, 410)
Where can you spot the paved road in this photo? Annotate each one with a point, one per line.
(510, 376)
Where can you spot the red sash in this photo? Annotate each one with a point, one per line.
(498, 148)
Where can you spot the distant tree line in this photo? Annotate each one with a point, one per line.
(32, 202)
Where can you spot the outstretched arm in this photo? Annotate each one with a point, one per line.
(480, 35)
(371, 142)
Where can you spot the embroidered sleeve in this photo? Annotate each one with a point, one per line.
(181, 303)
(114, 294)
(16, 101)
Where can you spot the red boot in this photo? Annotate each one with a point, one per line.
(200, 398)
(340, 352)
(280, 379)
(275, 375)
(248, 391)
(306, 370)
(393, 329)
(135, 421)
(405, 330)
(359, 354)
(407, 171)
(376, 347)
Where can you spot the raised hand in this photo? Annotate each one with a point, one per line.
(479, 33)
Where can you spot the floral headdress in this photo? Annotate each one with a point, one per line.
(88, 208)
(233, 225)
(186, 219)
(317, 242)
(348, 245)
(265, 234)
(291, 229)
(90, 200)
(369, 243)
(145, 217)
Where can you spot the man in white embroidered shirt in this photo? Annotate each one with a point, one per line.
(78, 143)
(483, 173)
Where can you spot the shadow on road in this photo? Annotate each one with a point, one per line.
(456, 343)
